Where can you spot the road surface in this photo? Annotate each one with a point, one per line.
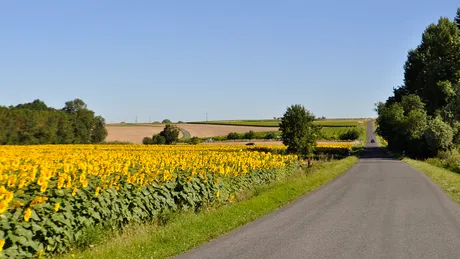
(380, 208)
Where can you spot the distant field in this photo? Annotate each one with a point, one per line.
(275, 123)
(134, 133)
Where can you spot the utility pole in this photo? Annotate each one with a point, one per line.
(136, 119)
(206, 117)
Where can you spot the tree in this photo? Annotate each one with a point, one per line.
(233, 136)
(158, 139)
(74, 106)
(457, 18)
(432, 69)
(438, 135)
(171, 134)
(270, 135)
(195, 140)
(37, 105)
(166, 121)
(36, 123)
(99, 132)
(249, 135)
(298, 131)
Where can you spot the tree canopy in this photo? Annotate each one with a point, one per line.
(423, 115)
(298, 131)
(36, 123)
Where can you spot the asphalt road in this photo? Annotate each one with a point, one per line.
(380, 208)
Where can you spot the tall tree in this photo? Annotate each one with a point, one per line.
(298, 131)
(457, 18)
(99, 132)
(36, 123)
(432, 69)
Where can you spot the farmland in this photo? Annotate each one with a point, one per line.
(134, 133)
(275, 123)
(51, 194)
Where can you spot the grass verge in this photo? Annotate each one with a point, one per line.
(447, 180)
(187, 230)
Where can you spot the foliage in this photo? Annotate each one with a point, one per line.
(233, 136)
(147, 141)
(36, 123)
(150, 241)
(298, 131)
(270, 135)
(449, 160)
(276, 123)
(158, 139)
(170, 133)
(457, 18)
(52, 196)
(438, 135)
(249, 135)
(194, 140)
(166, 121)
(423, 115)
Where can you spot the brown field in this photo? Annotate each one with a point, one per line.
(134, 133)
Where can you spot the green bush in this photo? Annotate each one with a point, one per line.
(147, 141)
(194, 140)
(249, 135)
(158, 139)
(271, 135)
(233, 136)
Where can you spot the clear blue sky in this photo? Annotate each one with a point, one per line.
(233, 59)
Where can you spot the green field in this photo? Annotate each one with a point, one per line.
(333, 133)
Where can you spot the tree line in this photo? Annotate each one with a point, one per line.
(422, 117)
(36, 123)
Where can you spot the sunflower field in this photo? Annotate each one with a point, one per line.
(50, 195)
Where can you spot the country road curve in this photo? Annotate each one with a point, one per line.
(380, 208)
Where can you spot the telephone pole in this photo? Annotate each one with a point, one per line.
(136, 119)
(206, 117)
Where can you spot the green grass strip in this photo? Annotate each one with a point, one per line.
(447, 180)
(188, 230)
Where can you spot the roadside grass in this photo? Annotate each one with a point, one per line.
(185, 231)
(363, 136)
(447, 180)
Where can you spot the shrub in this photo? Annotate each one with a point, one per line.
(233, 135)
(166, 121)
(195, 140)
(270, 135)
(438, 135)
(147, 141)
(249, 135)
(158, 139)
